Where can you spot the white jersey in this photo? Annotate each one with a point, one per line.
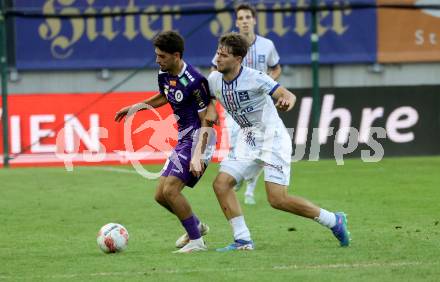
(261, 55)
(248, 100)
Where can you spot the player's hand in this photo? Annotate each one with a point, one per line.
(211, 116)
(121, 113)
(284, 104)
(197, 166)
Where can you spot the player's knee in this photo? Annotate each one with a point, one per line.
(276, 201)
(222, 185)
(218, 186)
(159, 197)
(170, 193)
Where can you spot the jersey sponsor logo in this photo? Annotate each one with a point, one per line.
(189, 76)
(178, 96)
(199, 99)
(247, 110)
(261, 58)
(184, 81)
(243, 96)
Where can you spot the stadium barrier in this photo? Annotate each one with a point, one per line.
(409, 116)
(48, 129)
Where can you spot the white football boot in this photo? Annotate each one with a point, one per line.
(193, 246)
(184, 239)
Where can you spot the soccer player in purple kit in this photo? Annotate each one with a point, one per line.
(187, 91)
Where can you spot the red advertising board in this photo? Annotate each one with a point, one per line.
(80, 128)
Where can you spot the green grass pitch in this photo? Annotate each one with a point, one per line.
(49, 219)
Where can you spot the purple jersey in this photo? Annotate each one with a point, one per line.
(188, 94)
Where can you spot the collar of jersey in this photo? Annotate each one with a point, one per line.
(255, 40)
(235, 78)
(180, 73)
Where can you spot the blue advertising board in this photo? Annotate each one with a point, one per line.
(124, 41)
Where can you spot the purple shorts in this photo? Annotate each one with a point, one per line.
(178, 164)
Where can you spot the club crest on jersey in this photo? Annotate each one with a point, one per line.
(261, 58)
(178, 96)
(173, 83)
(243, 96)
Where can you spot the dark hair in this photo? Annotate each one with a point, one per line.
(245, 6)
(236, 43)
(170, 42)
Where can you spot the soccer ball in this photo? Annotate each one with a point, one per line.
(112, 238)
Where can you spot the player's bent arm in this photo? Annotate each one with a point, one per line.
(285, 100)
(156, 101)
(275, 72)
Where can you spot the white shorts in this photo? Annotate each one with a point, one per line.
(233, 132)
(246, 162)
(247, 169)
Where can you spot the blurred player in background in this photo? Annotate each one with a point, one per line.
(246, 94)
(187, 91)
(263, 56)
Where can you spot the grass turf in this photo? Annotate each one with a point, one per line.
(49, 218)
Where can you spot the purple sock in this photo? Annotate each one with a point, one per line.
(191, 228)
(197, 219)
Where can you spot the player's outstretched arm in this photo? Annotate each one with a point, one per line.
(285, 99)
(154, 102)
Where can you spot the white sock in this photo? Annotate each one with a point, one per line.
(239, 228)
(250, 188)
(326, 218)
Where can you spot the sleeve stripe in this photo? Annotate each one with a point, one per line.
(273, 89)
(201, 110)
(274, 65)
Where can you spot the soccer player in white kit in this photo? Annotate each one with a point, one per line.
(247, 96)
(263, 56)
